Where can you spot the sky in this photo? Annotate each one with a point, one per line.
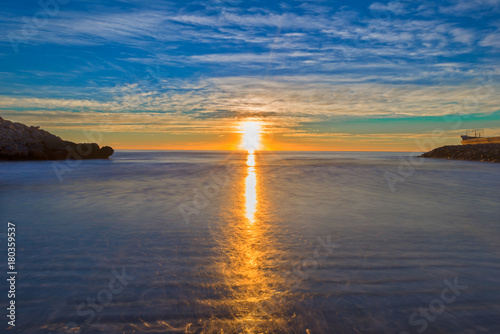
(317, 75)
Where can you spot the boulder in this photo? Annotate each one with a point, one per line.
(21, 142)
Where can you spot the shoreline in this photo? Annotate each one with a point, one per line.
(477, 152)
(19, 142)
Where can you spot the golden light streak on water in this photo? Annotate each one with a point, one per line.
(251, 159)
(251, 291)
(251, 249)
(251, 189)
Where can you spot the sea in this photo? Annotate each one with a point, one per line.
(251, 242)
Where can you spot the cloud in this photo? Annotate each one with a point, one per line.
(119, 122)
(228, 39)
(290, 97)
(491, 39)
(463, 36)
(474, 8)
(47, 103)
(397, 8)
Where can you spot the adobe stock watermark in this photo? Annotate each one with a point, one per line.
(91, 306)
(323, 251)
(135, 95)
(301, 272)
(437, 306)
(74, 158)
(202, 196)
(32, 26)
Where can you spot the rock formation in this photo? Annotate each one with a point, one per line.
(479, 152)
(22, 142)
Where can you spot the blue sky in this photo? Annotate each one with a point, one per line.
(317, 74)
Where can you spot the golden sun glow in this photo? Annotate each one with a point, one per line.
(251, 136)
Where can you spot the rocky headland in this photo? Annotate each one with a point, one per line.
(478, 152)
(22, 142)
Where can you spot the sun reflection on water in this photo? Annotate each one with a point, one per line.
(256, 293)
(251, 189)
(251, 159)
(251, 292)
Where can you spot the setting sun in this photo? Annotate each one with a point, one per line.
(251, 136)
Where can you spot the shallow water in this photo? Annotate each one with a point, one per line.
(296, 242)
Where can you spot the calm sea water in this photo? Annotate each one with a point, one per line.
(213, 242)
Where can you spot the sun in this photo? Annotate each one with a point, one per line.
(251, 136)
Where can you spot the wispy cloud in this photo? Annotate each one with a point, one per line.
(474, 8)
(295, 97)
(492, 40)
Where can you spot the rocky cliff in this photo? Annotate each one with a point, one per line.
(22, 142)
(479, 152)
